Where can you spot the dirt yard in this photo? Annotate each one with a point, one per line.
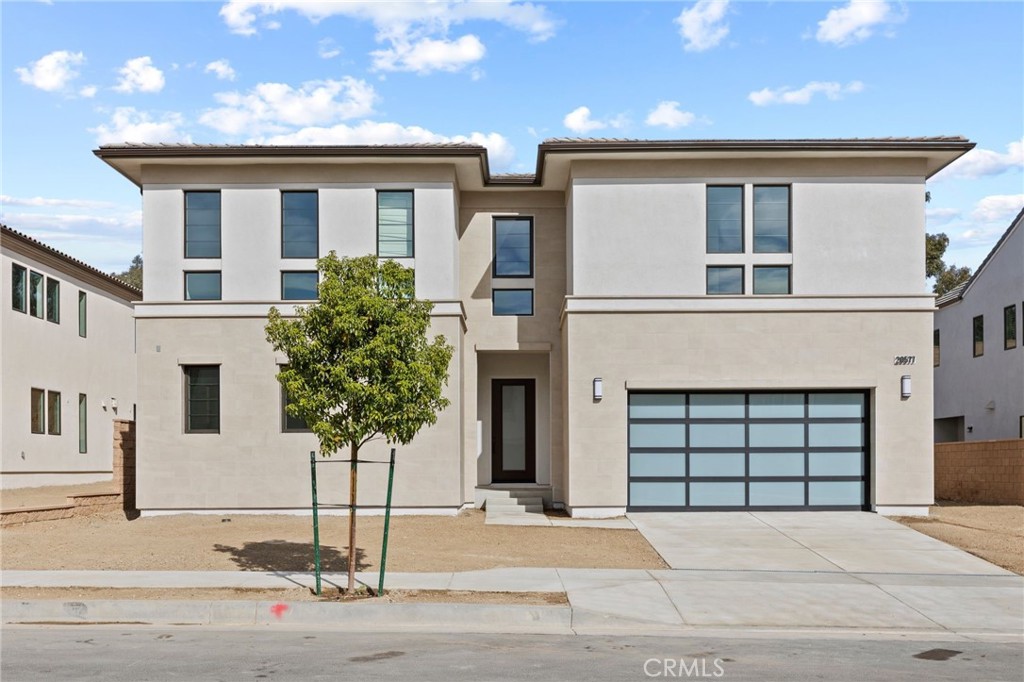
(993, 532)
(190, 542)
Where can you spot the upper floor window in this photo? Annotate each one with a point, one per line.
(35, 295)
(772, 279)
(53, 300)
(979, 336)
(513, 247)
(725, 219)
(202, 286)
(725, 279)
(936, 349)
(299, 286)
(1010, 327)
(512, 302)
(19, 277)
(299, 224)
(771, 219)
(395, 224)
(82, 310)
(202, 224)
(202, 398)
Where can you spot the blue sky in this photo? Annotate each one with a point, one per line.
(503, 74)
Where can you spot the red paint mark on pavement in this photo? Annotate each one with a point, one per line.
(278, 609)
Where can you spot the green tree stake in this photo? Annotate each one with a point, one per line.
(387, 522)
(316, 521)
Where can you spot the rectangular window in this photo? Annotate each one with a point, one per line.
(288, 422)
(725, 219)
(513, 247)
(83, 423)
(395, 224)
(771, 279)
(1010, 327)
(81, 314)
(299, 286)
(512, 302)
(979, 336)
(771, 219)
(52, 300)
(725, 279)
(35, 293)
(38, 410)
(202, 286)
(53, 413)
(936, 349)
(19, 301)
(202, 224)
(202, 399)
(299, 224)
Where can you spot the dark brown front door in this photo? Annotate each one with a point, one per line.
(513, 431)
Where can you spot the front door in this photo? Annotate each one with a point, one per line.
(513, 431)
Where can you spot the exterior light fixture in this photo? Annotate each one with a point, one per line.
(113, 404)
(598, 388)
(905, 386)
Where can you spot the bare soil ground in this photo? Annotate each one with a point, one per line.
(291, 595)
(190, 542)
(51, 495)
(993, 532)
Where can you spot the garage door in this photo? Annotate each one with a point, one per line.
(748, 451)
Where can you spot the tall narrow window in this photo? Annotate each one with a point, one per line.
(771, 279)
(82, 309)
(53, 413)
(299, 224)
(202, 286)
(936, 349)
(395, 224)
(202, 224)
(38, 410)
(288, 422)
(83, 424)
(979, 336)
(35, 294)
(513, 247)
(53, 300)
(1010, 327)
(771, 219)
(19, 301)
(299, 286)
(202, 399)
(725, 219)
(725, 280)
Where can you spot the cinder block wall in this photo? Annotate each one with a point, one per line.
(986, 471)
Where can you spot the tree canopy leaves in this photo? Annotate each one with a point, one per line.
(947, 277)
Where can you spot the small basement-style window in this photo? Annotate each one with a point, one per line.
(19, 279)
(772, 279)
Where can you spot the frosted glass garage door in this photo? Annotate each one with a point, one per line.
(740, 450)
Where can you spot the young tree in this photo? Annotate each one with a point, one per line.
(946, 277)
(360, 365)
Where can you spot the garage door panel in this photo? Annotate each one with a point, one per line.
(836, 463)
(777, 435)
(777, 494)
(657, 464)
(717, 435)
(717, 494)
(777, 464)
(717, 464)
(647, 494)
(836, 435)
(646, 435)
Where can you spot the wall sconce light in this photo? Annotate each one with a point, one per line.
(113, 404)
(905, 386)
(598, 388)
(103, 404)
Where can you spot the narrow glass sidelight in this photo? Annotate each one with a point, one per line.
(83, 424)
(513, 428)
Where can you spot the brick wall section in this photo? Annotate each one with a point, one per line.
(985, 471)
(124, 463)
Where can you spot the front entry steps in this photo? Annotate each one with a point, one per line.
(514, 505)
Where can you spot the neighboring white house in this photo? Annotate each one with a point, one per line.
(694, 324)
(68, 358)
(979, 348)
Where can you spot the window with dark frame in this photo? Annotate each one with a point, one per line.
(19, 280)
(936, 349)
(772, 279)
(82, 310)
(53, 413)
(725, 219)
(299, 285)
(979, 336)
(299, 224)
(38, 410)
(725, 279)
(288, 422)
(395, 227)
(202, 286)
(771, 219)
(202, 224)
(513, 247)
(83, 424)
(36, 285)
(202, 398)
(1010, 327)
(52, 300)
(511, 302)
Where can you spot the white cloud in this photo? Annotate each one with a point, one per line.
(856, 22)
(140, 74)
(271, 108)
(980, 163)
(703, 26)
(327, 48)
(998, 208)
(88, 91)
(221, 69)
(668, 114)
(427, 55)
(51, 72)
(787, 95)
(7, 200)
(105, 238)
(499, 149)
(579, 121)
(941, 216)
(129, 125)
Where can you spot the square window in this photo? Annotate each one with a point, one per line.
(38, 410)
(299, 286)
(19, 277)
(512, 301)
(1010, 327)
(202, 398)
(979, 336)
(771, 279)
(395, 224)
(53, 413)
(725, 219)
(202, 286)
(725, 279)
(52, 300)
(35, 295)
(771, 219)
(299, 224)
(513, 247)
(202, 224)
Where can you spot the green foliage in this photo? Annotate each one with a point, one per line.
(133, 275)
(360, 365)
(946, 276)
(950, 278)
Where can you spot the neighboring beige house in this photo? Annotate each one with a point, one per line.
(68, 353)
(693, 325)
(979, 348)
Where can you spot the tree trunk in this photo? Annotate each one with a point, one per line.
(352, 520)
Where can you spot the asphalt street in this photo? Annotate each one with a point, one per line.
(124, 653)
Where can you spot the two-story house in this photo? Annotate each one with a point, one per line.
(68, 354)
(692, 325)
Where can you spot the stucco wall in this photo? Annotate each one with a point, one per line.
(984, 472)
